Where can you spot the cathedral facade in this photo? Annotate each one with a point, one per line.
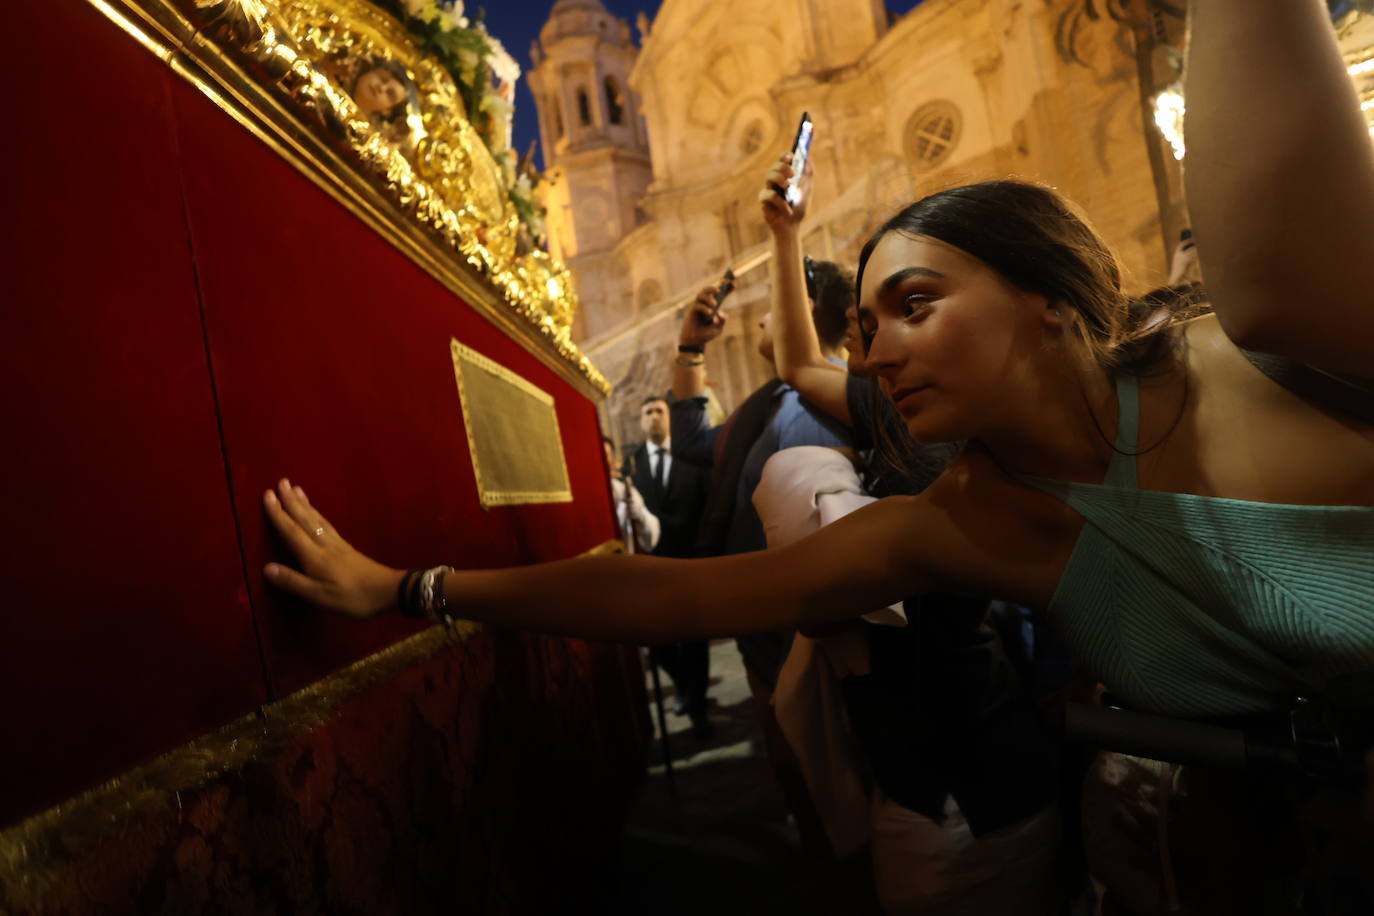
(655, 153)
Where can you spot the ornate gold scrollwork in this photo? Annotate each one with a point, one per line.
(422, 154)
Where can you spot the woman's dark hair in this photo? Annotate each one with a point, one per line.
(1040, 243)
(833, 295)
(898, 463)
(1152, 315)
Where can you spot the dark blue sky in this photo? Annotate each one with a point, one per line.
(517, 23)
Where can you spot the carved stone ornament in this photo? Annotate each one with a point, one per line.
(341, 89)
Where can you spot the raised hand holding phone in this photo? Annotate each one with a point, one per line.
(703, 322)
(1184, 266)
(777, 212)
(801, 155)
(723, 289)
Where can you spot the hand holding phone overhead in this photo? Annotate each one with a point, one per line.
(723, 289)
(702, 322)
(801, 154)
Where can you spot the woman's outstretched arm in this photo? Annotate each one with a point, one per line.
(890, 550)
(845, 571)
(1280, 181)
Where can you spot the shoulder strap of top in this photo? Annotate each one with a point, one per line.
(1344, 393)
(1121, 471)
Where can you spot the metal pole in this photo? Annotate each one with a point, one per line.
(628, 480)
(663, 729)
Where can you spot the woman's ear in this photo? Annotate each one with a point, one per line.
(1054, 315)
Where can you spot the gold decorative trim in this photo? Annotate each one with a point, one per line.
(514, 439)
(33, 851)
(426, 183)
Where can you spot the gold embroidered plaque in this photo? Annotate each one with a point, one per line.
(517, 453)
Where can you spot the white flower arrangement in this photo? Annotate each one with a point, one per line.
(486, 73)
(502, 113)
(503, 65)
(448, 15)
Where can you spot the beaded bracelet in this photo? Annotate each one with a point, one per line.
(432, 600)
(420, 594)
(407, 594)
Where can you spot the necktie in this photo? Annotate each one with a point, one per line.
(658, 467)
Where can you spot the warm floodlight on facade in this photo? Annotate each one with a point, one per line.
(1169, 110)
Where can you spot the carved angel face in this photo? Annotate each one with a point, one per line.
(378, 91)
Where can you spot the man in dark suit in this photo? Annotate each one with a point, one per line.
(675, 492)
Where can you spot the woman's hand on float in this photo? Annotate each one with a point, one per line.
(777, 212)
(332, 573)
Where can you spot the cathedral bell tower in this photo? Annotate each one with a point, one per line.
(596, 149)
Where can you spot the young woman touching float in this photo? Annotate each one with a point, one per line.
(1204, 537)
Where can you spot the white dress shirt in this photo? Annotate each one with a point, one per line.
(667, 449)
(646, 526)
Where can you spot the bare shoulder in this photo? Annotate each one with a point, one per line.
(1212, 355)
(1244, 436)
(994, 535)
(1225, 370)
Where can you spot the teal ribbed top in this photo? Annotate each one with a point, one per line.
(1190, 605)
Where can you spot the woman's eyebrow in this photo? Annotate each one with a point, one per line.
(905, 274)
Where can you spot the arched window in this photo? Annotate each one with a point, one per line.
(615, 103)
(932, 133)
(584, 108)
(752, 138)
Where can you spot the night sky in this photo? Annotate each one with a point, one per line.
(517, 23)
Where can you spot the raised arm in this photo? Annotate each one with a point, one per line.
(694, 438)
(1280, 182)
(797, 350)
(701, 324)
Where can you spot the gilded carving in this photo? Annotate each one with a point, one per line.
(352, 76)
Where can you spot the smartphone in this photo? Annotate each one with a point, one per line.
(1185, 235)
(801, 151)
(726, 287)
